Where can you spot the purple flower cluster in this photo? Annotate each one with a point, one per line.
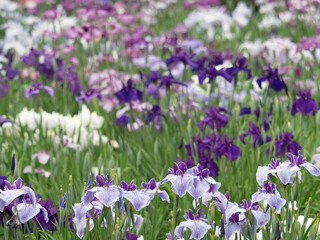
(44, 64)
(7, 73)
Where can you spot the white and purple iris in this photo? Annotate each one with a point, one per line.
(287, 170)
(290, 168)
(196, 181)
(198, 225)
(270, 194)
(140, 198)
(27, 206)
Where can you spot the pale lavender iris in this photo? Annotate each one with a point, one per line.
(263, 172)
(235, 223)
(104, 192)
(260, 217)
(201, 182)
(27, 207)
(140, 198)
(81, 217)
(270, 194)
(179, 178)
(291, 168)
(198, 225)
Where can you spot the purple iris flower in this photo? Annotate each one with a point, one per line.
(186, 60)
(128, 93)
(211, 72)
(225, 147)
(63, 203)
(168, 80)
(264, 171)
(41, 61)
(204, 152)
(305, 104)
(270, 194)
(257, 112)
(284, 143)
(201, 182)
(73, 80)
(198, 225)
(240, 65)
(256, 134)
(3, 120)
(266, 122)
(9, 74)
(214, 119)
(153, 78)
(179, 178)
(35, 88)
(154, 114)
(89, 94)
(2, 182)
(275, 81)
(52, 216)
(123, 120)
(291, 168)
(131, 236)
(140, 198)
(245, 111)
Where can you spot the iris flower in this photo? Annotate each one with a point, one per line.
(305, 104)
(275, 81)
(291, 168)
(35, 88)
(270, 194)
(284, 143)
(128, 93)
(89, 94)
(214, 119)
(180, 179)
(140, 198)
(198, 225)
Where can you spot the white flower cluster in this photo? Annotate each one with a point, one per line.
(208, 19)
(24, 32)
(78, 129)
(276, 50)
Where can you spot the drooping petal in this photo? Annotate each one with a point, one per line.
(276, 201)
(180, 185)
(286, 172)
(198, 228)
(6, 197)
(311, 168)
(27, 211)
(231, 228)
(262, 175)
(261, 218)
(198, 188)
(164, 196)
(138, 199)
(49, 90)
(107, 196)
